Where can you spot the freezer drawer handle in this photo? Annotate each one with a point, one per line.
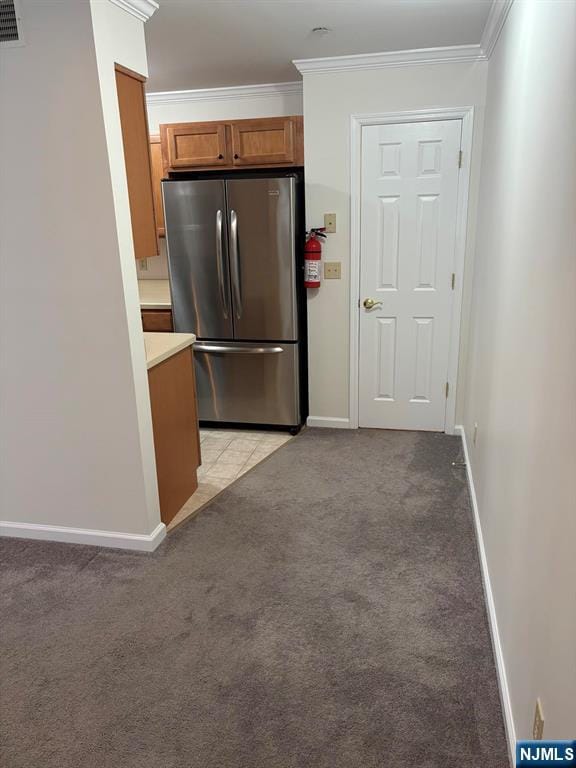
(220, 264)
(238, 350)
(235, 264)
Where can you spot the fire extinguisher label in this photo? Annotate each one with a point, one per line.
(312, 271)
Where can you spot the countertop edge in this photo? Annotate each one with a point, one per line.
(155, 305)
(174, 343)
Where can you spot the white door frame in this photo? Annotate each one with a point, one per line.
(357, 122)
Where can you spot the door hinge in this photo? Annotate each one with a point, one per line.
(453, 280)
(447, 388)
(460, 155)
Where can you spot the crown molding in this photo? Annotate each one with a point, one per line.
(444, 55)
(142, 9)
(225, 94)
(494, 23)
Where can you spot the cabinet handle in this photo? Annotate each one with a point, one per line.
(236, 157)
(202, 347)
(220, 264)
(220, 157)
(235, 264)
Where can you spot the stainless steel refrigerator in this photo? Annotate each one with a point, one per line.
(232, 256)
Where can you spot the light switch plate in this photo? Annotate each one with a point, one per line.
(330, 223)
(332, 270)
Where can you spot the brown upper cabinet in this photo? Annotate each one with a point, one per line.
(132, 105)
(263, 142)
(196, 144)
(157, 176)
(255, 143)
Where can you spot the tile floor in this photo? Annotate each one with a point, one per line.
(226, 455)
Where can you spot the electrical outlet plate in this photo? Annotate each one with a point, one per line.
(330, 223)
(143, 264)
(538, 727)
(332, 270)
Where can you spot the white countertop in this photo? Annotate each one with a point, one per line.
(161, 346)
(154, 294)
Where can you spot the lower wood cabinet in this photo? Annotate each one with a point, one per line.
(175, 426)
(157, 320)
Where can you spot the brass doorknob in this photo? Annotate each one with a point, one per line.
(370, 303)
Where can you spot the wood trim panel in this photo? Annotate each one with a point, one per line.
(157, 176)
(175, 426)
(130, 72)
(134, 123)
(299, 140)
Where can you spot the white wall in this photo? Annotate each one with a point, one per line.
(522, 358)
(329, 100)
(72, 445)
(119, 38)
(223, 104)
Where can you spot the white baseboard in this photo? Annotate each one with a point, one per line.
(492, 618)
(116, 539)
(328, 421)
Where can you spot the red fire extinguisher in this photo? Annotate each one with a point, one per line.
(312, 256)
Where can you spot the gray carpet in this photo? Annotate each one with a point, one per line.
(326, 611)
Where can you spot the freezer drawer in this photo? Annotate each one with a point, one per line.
(246, 382)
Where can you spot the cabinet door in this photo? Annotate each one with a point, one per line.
(157, 176)
(190, 145)
(130, 88)
(262, 142)
(175, 427)
(157, 320)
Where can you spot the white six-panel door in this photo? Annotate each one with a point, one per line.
(409, 190)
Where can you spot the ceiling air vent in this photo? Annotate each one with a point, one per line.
(10, 29)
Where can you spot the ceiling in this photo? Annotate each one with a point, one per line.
(212, 43)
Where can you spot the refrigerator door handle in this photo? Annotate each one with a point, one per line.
(235, 264)
(220, 264)
(201, 347)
